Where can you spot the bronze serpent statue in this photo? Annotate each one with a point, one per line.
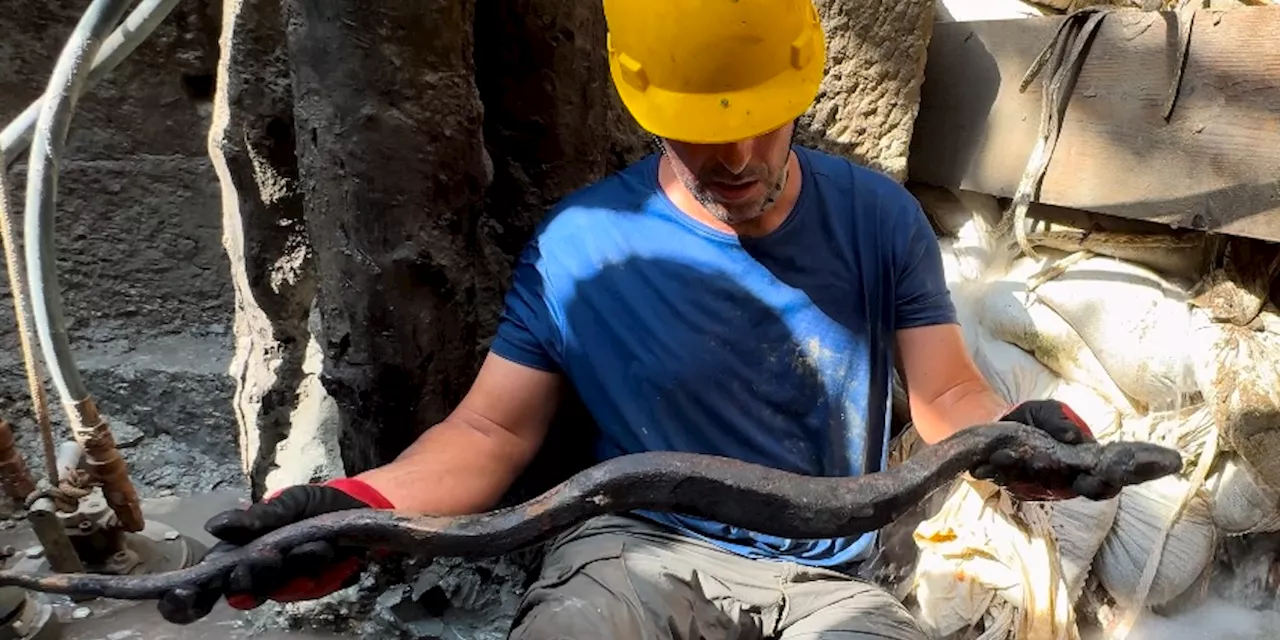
(747, 495)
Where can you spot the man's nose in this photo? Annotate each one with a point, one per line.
(734, 155)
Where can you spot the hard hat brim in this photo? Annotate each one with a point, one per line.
(715, 118)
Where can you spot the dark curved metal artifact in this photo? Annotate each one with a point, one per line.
(751, 496)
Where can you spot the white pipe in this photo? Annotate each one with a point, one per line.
(61, 96)
(123, 41)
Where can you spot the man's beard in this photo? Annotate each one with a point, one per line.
(718, 210)
(722, 213)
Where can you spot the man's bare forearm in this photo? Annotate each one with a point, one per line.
(964, 406)
(454, 468)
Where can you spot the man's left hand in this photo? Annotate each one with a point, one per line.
(1024, 479)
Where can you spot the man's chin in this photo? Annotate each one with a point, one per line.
(740, 214)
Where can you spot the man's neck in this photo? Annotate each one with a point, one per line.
(761, 225)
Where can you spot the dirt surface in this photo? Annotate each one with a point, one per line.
(129, 620)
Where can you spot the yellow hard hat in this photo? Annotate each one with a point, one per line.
(712, 71)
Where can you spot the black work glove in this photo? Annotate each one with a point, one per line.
(305, 572)
(1038, 480)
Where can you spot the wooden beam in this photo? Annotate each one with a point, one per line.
(1215, 165)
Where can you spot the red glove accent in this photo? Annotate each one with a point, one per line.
(333, 579)
(362, 491)
(1075, 417)
(354, 487)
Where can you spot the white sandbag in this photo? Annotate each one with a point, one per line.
(1240, 379)
(1015, 375)
(969, 257)
(977, 557)
(1242, 505)
(1187, 430)
(954, 212)
(1135, 322)
(1143, 513)
(1080, 525)
(982, 553)
(1014, 315)
(953, 270)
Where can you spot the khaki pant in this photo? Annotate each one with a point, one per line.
(621, 578)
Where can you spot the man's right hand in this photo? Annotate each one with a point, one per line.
(305, 572)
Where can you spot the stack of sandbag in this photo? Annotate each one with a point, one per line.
(1128, 348)
(1015, 570)
(1017, 316)
(1146, 521)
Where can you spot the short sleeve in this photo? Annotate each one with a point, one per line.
(528, 333)
(922, 295)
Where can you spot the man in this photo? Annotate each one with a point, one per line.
(734, 294)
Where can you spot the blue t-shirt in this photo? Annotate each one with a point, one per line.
(777, 350)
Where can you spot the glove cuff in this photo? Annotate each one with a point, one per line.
(362, 491)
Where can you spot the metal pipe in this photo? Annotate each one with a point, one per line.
(13, 470)
(49, 530)
(123, 41)
(47, 145)
(42, 514)
(20, 294)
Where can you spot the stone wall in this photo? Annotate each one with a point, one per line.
(140, 261)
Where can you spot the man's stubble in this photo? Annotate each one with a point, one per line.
(718, 210)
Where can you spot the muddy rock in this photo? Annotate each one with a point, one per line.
(392, 170)
(251, 144)
(153, 105)
(867, 104)
(137, 239)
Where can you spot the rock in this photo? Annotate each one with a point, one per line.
(392, 171)
(271, 268)
(311, 452)
(129, 268)
(867, 104)
(137, 236)
(553, 123)
(126, 435)
(149, 106)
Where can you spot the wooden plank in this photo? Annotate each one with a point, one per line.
(1215, 165)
